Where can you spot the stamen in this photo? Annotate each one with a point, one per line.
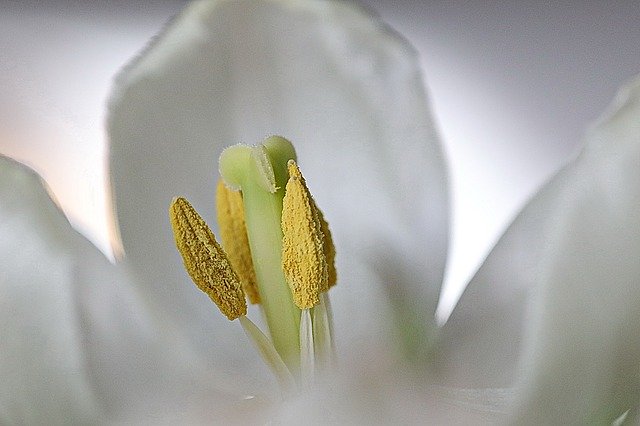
(205, 261)
(235, 240)
(303, 260)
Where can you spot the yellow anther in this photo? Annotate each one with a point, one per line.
(205, 261)
(235, 240)
(303, 260)
(328, 248)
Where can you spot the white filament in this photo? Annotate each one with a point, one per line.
(269, 354)
(307, 356)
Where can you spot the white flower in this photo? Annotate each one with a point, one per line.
(84, 340)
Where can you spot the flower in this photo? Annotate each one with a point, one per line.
(131, 343)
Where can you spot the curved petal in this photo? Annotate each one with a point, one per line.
(77, 345)
(337, 82)
(371, 390)
(42, 362)
(480, 344)
(581, 356)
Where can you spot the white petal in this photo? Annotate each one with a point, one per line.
(77, 345)
(42, 362)
(583, 341)
(480, 344)
(369, 389)
(343, 87)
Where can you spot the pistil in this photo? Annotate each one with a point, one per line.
(260, 172)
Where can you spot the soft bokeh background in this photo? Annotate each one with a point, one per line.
(513, 87)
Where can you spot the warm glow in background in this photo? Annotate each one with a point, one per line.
(513, 87)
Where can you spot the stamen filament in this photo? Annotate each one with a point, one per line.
(307, 352)
(329, 310)
(322, 338)
(269, 354)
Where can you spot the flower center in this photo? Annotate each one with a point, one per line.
(277, 251)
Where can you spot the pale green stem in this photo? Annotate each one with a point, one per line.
(260, 172)
(263, 215)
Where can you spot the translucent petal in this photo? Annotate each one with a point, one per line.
(480, 343)
(42, 362)
(343, 87)
(583, 341)
(370, 390)
(77, 343)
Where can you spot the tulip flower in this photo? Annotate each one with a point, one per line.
(545, 332)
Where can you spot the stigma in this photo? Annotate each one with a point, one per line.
(277, 251)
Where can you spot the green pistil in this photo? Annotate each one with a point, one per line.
(260, 172)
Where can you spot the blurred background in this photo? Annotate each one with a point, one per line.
(513, 87)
